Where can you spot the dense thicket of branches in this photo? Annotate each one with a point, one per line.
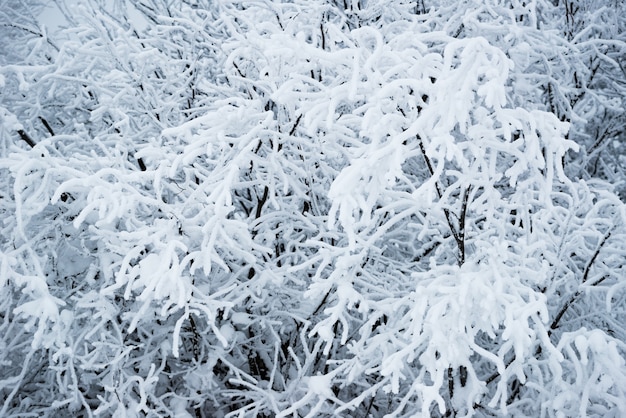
(331, 208)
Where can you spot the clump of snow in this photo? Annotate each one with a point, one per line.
(9, 121)
(321, 385)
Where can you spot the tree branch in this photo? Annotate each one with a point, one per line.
(595, 255)
(47, 126)
(26, 138)
(461, 232)
(570, 302)
(457, 232)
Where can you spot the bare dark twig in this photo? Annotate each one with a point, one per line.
(26, 138)
(572, 299)
(458, 232)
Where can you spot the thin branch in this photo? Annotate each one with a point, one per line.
(26, 29)
(46, 125)
(428, 164)
(572, 299)
(595, 255)
(295, 126)
(24, 136)
(261, 201)
(457, 233)
(461, 233)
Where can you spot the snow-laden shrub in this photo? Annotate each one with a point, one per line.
(300, 209)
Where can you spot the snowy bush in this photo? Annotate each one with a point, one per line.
(352, 208)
